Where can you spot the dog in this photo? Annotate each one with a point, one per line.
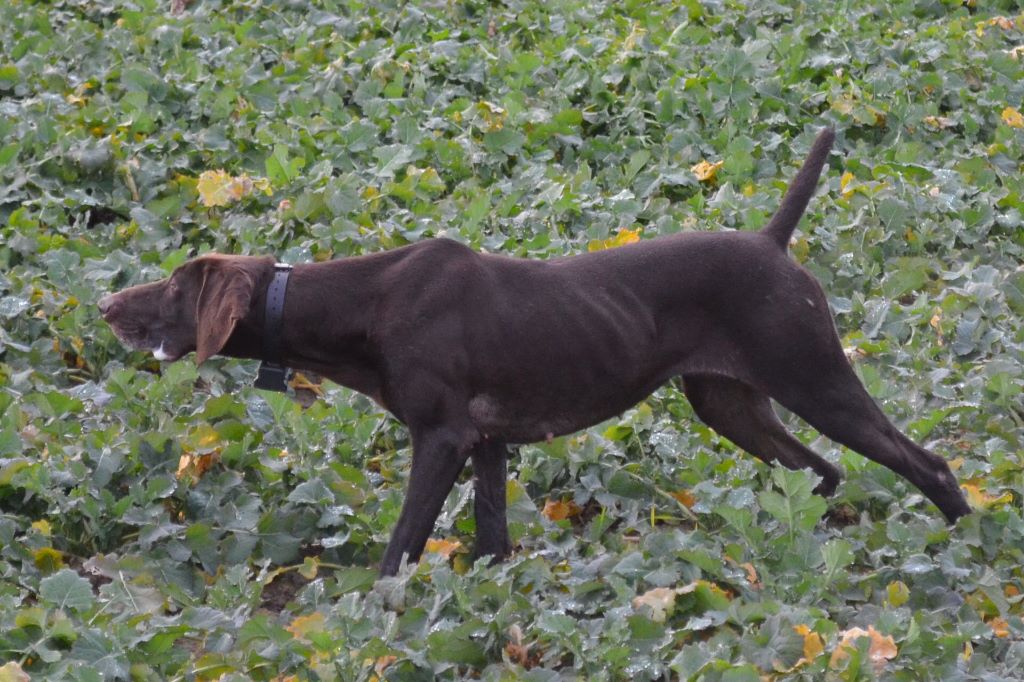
(476, 351)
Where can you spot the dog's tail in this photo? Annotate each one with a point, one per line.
(801, 189)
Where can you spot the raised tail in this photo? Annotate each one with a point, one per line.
(801, 189)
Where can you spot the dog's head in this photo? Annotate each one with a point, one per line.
(196, 308)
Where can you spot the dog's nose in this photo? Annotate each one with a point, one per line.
(105, 303)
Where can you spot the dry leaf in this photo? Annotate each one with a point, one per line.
(1000, 628)
(12, 672)
(383, 662)
(751, 574)
(881, 649)
(193, 466)
(559, 510)
(685, 498)
(518, 652)
(660, 601)
(1005, 23)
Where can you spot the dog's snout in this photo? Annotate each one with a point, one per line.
(105, 304)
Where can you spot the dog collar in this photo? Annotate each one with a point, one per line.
(273, 374)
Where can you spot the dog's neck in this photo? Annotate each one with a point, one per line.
(325, 326)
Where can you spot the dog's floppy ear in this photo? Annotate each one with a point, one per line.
(224, 299)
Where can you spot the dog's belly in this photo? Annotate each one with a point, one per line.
(518, 421)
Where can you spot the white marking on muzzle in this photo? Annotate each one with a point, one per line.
(159, 353)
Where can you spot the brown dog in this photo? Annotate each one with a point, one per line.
(474, 351)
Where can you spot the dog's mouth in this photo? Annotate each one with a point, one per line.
(139, 339)
(163, 355)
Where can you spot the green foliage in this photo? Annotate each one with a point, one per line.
(169, 522)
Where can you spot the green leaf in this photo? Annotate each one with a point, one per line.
(281, 168)
(453, 648)
(794, 505)
(505, 141)
(65, 589)
(9, 153)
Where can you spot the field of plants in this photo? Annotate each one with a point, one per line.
(163, 521)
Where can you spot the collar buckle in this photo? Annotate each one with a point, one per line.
(272, 377)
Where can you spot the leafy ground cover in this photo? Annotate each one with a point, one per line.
(169, 522)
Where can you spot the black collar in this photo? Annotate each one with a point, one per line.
(273, 375)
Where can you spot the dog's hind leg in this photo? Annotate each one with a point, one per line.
(489, 465)
(816, 381)
(745, 416)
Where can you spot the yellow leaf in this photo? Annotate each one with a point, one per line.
(217, 188)
(443, 547)
(939, 122)
(844, 181)
(302, 626)
(80, 96)
(844, 105)
(622, 237)
(213, 188)
(897, 593)
(706, 590)
(1012, 117)
(706, 172)
(12, 672)
(629, 44)
(881, 649)
(813, 644)
(493, 115)
(979, 499)
(660, 601)
(559, 510)
(203, 438)
(300, 381)
(310, 567)
(48, 559)
(43, 526)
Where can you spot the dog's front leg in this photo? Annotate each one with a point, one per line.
(489, 464)
(438, 456)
